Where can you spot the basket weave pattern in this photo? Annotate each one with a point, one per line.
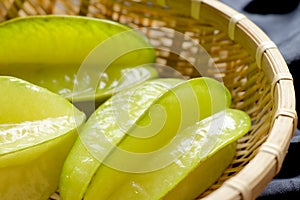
(249, 65)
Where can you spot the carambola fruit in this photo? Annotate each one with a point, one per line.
(80, 58)
(132, 135)
(37, 131)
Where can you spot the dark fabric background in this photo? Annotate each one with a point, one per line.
(280, 20)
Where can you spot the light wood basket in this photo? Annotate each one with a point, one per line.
(248, 62)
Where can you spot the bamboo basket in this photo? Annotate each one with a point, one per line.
(248, 62)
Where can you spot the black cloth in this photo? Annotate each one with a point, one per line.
(280, 20)
(286, 185)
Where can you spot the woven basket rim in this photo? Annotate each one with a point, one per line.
(253, 178)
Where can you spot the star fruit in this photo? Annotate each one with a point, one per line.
(37, 131)
(80, 58)
(141, 132)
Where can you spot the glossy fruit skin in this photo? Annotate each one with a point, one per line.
(31, 171)
(187, 94)
(217, 158)
(36, 177)
(185, 178)
(210, 151)
(80, 164)
(66, 39)
(69, 54)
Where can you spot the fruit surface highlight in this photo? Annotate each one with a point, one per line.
(37, 131)
(80, 58)
(205, 149)
(81, 164)
(139, 125)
